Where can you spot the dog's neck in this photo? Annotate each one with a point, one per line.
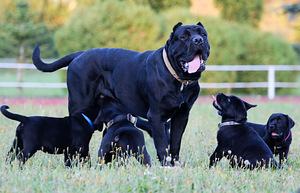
(128, 117)
(287, 137)
(172, 71)
(227, 123)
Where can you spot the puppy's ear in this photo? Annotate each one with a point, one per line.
(248, 105)
(199, 23)
(176, 26)
(240, 114)
(291, 123)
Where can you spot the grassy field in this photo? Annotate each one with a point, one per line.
(46, 173)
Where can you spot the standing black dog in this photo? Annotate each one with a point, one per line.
(236, 141)
(69, 136)
(276, 133)
(156, 85)
(120, 137)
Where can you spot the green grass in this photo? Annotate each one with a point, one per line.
(46, 173)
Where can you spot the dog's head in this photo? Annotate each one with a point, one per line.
(231, 108)
(188, 49)
(279, 126)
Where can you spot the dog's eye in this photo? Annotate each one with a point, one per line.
(203, 34)
(184, 37)
(228, 99)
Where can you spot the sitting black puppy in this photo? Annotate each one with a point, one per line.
(276, 133)
(120, 137)
(69, 136)
(239, 143)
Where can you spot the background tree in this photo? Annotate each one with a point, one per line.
(19, 34)
(242, 11)
(294, 10)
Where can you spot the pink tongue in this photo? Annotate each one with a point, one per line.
(274, 134)
(214, 98)
(194, 65)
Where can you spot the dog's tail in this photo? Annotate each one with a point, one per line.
(51, 67)
(16, 117)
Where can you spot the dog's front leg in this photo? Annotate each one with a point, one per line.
(159, 137)
(216, 156)
(178, 125)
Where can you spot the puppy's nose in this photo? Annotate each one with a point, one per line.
(197, 40)
(272, 127)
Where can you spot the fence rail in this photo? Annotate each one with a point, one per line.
(271, 84)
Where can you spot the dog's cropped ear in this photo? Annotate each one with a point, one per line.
(176, 26)
(248, 105)
(240, 114)
(241, 111)
(291, 123)
(199, 23)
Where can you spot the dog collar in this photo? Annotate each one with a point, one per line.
(287, 137)
(172, 71)
(228, 123)
(89, 121)
(132, 119)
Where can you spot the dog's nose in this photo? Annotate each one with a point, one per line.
(197, 40)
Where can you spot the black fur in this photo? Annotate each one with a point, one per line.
(239, 143)
(140, 81)
(121, 139)
(276, 133)
(69, 136)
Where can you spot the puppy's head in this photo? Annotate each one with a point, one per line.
(279, 125)
(231, 108)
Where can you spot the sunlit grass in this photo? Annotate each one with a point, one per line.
(47, 173)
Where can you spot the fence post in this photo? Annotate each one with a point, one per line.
(271, 82)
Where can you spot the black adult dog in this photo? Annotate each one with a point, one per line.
(156, 85)
(276, 133)
(239, 143)
(69, 136)
(120, 137)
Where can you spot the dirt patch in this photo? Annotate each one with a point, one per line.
(38, 101)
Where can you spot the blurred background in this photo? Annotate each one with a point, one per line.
(241, 32)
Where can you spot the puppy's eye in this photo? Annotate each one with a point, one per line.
(184, 37)
(228, 100)
(203, 34)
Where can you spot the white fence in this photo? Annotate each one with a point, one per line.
(271, 84)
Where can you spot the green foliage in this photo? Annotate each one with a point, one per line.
(237, 44)
(242, 11)
(110, 23)
(19, 34)
(131, 26)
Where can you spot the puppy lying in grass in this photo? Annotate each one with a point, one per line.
(69, 136)
(276, 133)
(236, 141)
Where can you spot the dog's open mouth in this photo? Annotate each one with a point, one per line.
(215, 102)
(193, 65)
(276, 135)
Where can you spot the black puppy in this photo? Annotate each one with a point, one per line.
(157, 85)
(69, 136)
(239, 143)
(276, 133)
(120, 137)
